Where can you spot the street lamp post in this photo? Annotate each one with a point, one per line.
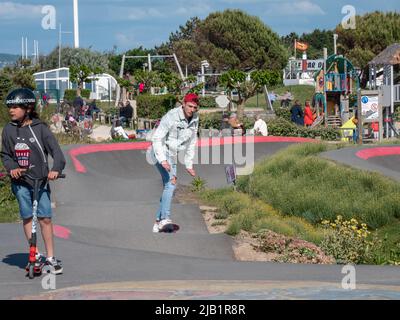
(335, 36)
(59, 45)
(204, 64)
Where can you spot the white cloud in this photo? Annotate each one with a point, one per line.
(194, 10)
(136, 14)
(245, 1)
(123, 40)
(11, 11)
(304, 7)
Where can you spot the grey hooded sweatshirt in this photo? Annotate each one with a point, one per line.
(28, 147)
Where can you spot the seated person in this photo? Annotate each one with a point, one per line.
(92, 108)
(225, 122)
(286, 99)
(125, 113)
(272, 97)
(69, 117)
(118, 132)
(260, 126)
(235, 124)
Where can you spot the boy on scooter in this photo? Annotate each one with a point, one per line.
(26, 143)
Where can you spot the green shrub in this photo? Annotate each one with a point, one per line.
(282, 127)
(347, 241)
(207, 102)
(154, 107)
(198, 184)
(4, 116)
(8, 204)
(283, 113)
(248, 123)
(210, 120)
(213, 120)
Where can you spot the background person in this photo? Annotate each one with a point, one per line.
(297, 114)
(260, 126)
(308, 114)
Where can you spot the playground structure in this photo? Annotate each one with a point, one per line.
(149, 58)
(335, 82)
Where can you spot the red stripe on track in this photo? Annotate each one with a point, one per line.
(93, 148)
(61, 232)
(378, 152)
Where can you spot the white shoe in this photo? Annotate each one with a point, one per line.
(164, 222)
(156, 227)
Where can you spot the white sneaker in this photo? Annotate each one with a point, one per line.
(163, 222)
(156, 227)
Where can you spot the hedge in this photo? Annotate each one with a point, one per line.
(282, 127)
(154, 107)
(207, 102)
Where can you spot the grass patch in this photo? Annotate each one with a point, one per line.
(299, 183)
(9, 211)
(300, 92)
(254, 215)
(291, 193)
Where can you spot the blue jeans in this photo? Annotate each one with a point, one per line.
(164, 212)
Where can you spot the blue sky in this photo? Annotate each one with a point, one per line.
(131, 23)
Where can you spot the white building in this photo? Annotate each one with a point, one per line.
(102, 88)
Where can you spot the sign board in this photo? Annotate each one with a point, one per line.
(230, 172)
(309, 65)
(369, 107)
(222, 101)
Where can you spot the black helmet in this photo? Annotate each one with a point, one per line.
(22, 97)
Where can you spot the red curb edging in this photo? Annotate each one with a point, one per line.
(378, 152)
(94, 148)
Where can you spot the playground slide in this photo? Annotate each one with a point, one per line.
(318, 120)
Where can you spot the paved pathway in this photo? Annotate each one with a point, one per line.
(110, 251)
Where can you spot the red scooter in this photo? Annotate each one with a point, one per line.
(34, 267)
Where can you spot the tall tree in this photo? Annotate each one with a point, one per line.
(75, 56)
(230, 39)
(373, 33)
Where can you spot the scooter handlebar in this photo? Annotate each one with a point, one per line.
(24, 174)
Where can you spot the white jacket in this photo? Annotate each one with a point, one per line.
(175, 134)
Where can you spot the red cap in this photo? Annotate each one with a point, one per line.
(191, 97)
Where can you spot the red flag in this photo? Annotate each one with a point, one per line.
(301, 46)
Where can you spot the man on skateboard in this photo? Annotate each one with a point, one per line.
(176, 132)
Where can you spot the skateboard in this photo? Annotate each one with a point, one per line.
(170, 228)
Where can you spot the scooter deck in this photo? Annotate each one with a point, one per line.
(37, 269)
